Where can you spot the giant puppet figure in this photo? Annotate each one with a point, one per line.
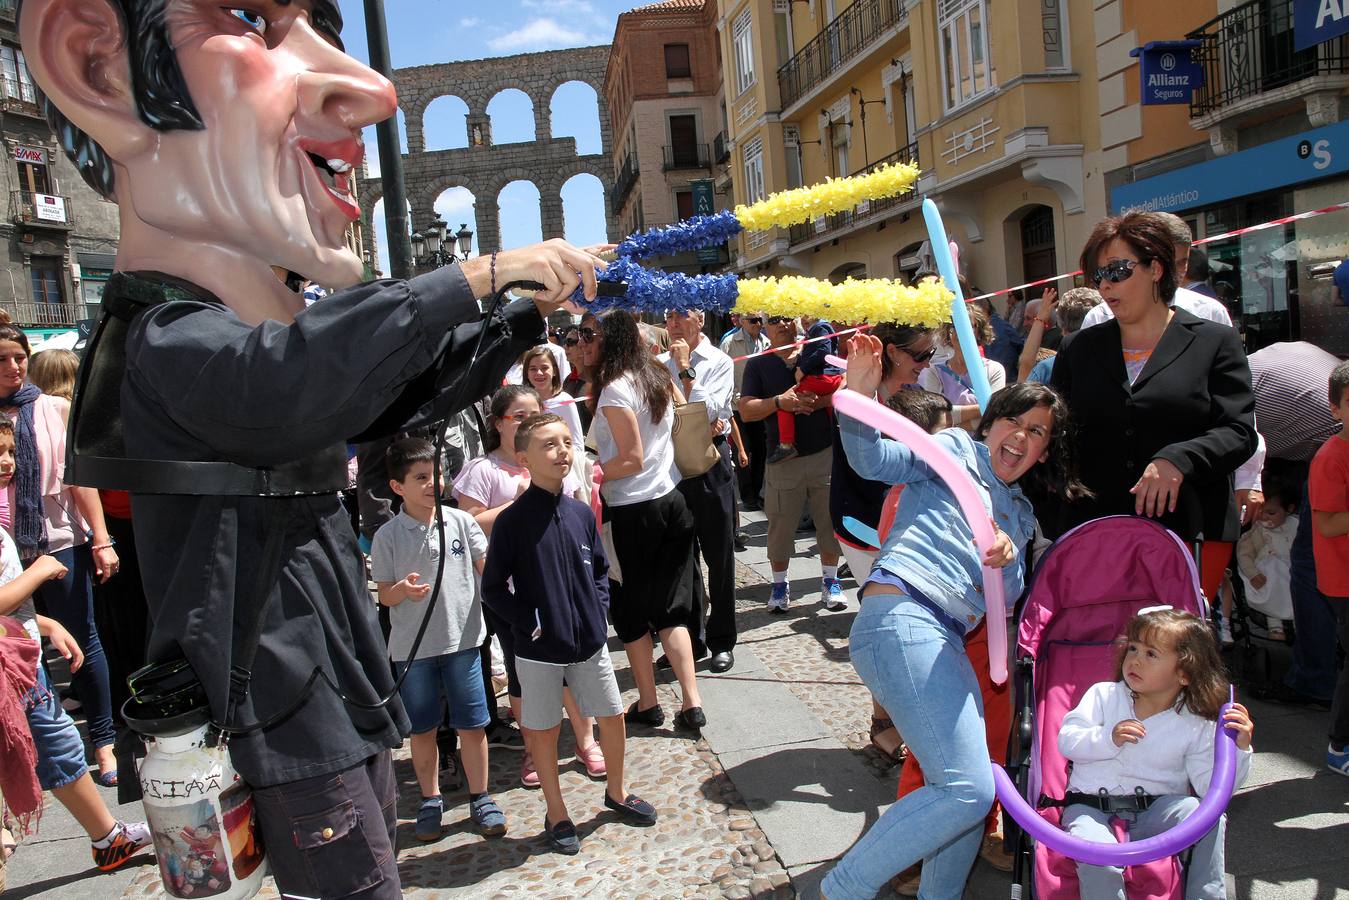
(228, 137)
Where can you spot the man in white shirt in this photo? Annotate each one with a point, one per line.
(748, 339)
(706, 374)
(1203, 306)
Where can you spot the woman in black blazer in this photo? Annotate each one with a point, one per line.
(1160, 398)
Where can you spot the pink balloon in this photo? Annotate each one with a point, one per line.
(955, 255)
(958, 481)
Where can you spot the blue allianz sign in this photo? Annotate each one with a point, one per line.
(1169, 75)
(1293, 160)
(1316, 21)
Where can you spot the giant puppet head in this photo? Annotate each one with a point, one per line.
(229, 135)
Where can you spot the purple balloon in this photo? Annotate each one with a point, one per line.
(1169, 843)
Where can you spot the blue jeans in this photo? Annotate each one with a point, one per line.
(919, 672)
(452, 677)
(1313, 669)
(60, 749)
(70, 601)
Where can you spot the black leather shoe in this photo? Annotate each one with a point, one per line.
(691, 719)
(721, 661)
(653, 717)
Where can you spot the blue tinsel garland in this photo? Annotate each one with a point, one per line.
(690, 234)
(657, 292)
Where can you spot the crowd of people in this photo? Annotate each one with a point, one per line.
(603, 486)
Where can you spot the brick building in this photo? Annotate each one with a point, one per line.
(59, 238)
(664, 89)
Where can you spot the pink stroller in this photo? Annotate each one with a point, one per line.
(1083, 594)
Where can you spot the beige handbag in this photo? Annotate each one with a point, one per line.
(692, 438)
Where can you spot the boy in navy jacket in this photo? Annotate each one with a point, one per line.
(547, 576)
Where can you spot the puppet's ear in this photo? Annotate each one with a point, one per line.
(77, 52)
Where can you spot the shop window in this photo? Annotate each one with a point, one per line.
(677, 61)
(46, 271)
(743, 35)
(967, 63)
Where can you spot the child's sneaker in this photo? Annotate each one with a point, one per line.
(781, 453)
(428, 819)
(487, 816)
(778, 600)
(832, 591)
(502, 736)
(122, 843)
(1225, 631)
(1337, 760)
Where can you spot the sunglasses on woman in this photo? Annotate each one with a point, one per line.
(571, 342)
(588, 334)
(921, 356)
(1115, 271)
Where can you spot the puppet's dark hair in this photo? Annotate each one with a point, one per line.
(158, 86)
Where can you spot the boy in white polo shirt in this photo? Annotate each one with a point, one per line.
(403, 560)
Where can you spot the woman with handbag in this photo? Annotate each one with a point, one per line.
(652, 529)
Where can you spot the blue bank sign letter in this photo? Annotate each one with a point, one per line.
(1317, 21)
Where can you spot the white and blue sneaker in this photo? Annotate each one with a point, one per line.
(1337, 760)
(778, 600)
(831, 590)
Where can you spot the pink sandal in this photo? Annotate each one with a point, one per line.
(593, 759)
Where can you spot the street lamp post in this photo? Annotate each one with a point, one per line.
(432, 249)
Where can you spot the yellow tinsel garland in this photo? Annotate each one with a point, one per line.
(872, 300)
(799, 205)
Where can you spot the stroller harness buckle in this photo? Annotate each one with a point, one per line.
(1138, 801)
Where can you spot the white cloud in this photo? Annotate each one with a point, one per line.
(470, 22)
(543, 34)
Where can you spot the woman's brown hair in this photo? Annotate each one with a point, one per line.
(983, 329)
(1206, 684)
(533, 353)
(622, 352)
(11, 332)
(1147, 234)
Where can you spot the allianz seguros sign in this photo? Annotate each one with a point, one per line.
(1168, 73)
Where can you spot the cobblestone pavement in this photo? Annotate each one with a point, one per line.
(706, 844)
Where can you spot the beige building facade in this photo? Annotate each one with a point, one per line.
(997, 103)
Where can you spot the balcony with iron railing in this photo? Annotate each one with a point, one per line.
(858, 27)
(40, 210)
(31, 314)
(866, 211)
(686, 156)
(1248, 51)
(19, 96)
(624, 182)
(721, 151)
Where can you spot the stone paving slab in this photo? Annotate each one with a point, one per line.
(813, 798)
(748, 708)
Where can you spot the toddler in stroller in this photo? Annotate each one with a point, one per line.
(1088, 590)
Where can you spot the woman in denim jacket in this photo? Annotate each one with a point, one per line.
(921, 598)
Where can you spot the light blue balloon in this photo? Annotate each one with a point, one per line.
(969, 347)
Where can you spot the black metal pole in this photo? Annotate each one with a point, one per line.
(390, 159)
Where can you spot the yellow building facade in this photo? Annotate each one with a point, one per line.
(998, 102)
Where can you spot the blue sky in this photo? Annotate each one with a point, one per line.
(422, 32)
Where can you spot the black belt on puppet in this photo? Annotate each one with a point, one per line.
(96, 452)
